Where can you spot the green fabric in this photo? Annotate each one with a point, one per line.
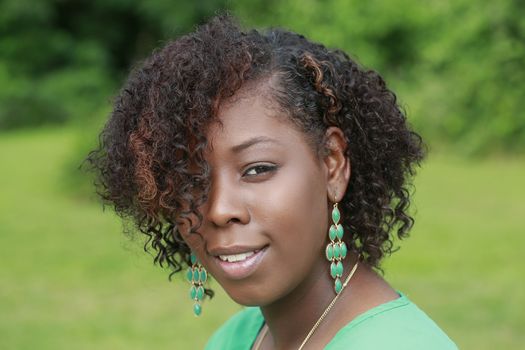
(398, 324)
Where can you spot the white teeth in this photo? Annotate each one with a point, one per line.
(236, 257)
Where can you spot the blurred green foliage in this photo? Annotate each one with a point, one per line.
(61, 60)
(456, 65)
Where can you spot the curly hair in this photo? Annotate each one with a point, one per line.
(150, 164)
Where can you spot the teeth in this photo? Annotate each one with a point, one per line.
(236, 257)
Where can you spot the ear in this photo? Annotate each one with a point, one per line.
(336, 163)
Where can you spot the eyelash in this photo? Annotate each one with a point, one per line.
(266, 169)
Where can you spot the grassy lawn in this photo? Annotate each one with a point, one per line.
(70, 280)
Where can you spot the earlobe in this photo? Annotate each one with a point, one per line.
(337, 163)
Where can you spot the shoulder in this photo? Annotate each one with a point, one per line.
(238, 332)
(398, 324)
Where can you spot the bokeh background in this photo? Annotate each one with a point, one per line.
(69, 278)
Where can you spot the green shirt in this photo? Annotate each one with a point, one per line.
(395, 325)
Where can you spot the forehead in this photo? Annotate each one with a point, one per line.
(249, 116)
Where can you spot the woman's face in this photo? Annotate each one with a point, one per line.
(265, 221)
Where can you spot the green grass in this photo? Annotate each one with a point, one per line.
(464, 263)
(70, 280)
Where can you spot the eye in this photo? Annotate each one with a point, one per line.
(259, 169)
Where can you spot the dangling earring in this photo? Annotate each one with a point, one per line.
(336, 250)
(197, 276)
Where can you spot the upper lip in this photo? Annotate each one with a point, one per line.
(235, 249)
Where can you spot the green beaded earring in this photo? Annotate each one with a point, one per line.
(197, 276)
(336, 250)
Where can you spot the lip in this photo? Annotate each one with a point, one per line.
(240, 269)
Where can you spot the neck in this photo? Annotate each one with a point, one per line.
(291, 318)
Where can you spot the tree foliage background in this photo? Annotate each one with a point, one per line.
(457, 66)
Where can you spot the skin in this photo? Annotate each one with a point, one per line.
(277, 192)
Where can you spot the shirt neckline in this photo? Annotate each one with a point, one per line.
(376, 310)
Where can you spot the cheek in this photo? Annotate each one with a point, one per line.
(193, 240)
(294, 206)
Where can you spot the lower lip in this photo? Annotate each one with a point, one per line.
(244, 268)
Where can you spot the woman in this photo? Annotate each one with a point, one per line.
(280, 168)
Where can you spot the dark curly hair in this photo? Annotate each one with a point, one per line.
(150, 164)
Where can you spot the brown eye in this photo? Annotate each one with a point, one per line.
(259, 169)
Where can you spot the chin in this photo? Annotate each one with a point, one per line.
(249, 296)
(247, 300)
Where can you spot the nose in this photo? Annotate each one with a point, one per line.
(225, 204)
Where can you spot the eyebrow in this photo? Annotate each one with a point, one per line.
(250, 142)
